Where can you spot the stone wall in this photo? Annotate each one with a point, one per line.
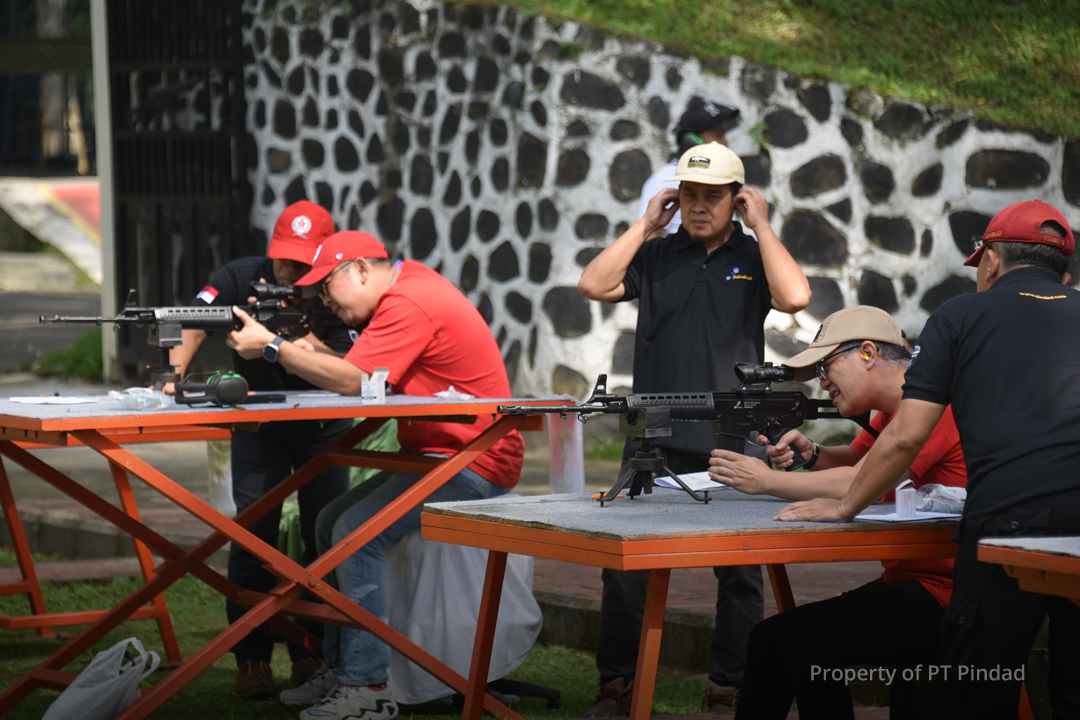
(506, 150)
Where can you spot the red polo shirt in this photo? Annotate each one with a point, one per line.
(430, 337)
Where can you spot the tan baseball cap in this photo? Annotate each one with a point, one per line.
(861, 322)
(712, 164)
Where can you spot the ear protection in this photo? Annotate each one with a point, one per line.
(865, 356)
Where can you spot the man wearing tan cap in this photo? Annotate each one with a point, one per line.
(703, 294)
(263, 459)
(1007, 359)
(859, 355)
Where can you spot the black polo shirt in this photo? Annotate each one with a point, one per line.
(231, 285)
(1008, 359)
(698, 314)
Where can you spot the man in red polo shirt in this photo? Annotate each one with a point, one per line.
(430, 338)
(860, 356)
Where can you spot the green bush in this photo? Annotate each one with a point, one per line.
(81, 360)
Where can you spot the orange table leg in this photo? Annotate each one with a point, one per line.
(485, 636)
(652, 626)
(30, 585)
(781, 587)
(146, 562)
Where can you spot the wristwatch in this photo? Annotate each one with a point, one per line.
(813, 458)
(270, 350)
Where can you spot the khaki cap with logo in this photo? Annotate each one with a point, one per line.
(711, 164)
(855, 323)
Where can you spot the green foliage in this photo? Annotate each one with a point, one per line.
(79, 360)
(8, 559)
(606, 448)
(759, 135)
(1012, 62)
(199, 615)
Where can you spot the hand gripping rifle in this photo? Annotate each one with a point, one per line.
(743, 413)
(166, 323)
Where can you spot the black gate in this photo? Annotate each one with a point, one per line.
(181, 197)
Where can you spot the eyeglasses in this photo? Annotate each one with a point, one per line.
(821, 373)
(978, 241)
(324, 289)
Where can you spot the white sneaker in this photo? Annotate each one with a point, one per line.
(349, 702)
(315, 689)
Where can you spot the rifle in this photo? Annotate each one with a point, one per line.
(167, 323)
(751, 409)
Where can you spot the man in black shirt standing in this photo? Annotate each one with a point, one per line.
(263, 459)
(703, 294)
(1008, 359)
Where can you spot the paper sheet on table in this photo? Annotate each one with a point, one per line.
(695, 481)
(919, 515)
(53, 400)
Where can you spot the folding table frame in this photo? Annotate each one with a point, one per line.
(658, 555)
(106, 433)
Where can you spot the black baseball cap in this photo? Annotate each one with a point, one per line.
(702, 115)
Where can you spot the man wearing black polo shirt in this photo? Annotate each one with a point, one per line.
(703, 294)
(1008, 359)
(263, 459)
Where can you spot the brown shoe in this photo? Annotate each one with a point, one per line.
(255, 681)
(613, 700)
(303, 669)
(720, 699)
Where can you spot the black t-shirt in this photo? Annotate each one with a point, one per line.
(1008, 359)
(698, 314)
(231, 285)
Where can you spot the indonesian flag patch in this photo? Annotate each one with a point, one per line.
(208, 295)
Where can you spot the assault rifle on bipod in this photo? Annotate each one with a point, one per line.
(166, 323)
(740, 415)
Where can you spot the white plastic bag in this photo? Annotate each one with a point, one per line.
(941, 498)
(433, 593)
(108, 686)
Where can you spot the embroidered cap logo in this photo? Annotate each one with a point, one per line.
(301, 226)
(698, 162)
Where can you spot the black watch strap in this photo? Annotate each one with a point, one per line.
(813, 458)
(271, 349)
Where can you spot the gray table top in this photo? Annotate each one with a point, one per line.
(1067, 546)
(665, 513)
(317, 404)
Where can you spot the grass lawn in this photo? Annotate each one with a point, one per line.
(1011, 61)
(199, 614)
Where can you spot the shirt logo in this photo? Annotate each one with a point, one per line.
(301, 226)
(736, 276)
(354, 335)
(208, 295)
(698, 162)
(915, 352)
(1045, 297)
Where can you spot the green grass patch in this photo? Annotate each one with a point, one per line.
(82, 280)
(1011, 62)
(199, 615)
(80, 360)
(8, 559)
(606, 448)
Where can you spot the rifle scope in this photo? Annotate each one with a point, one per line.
(274, 291)
(749, 373)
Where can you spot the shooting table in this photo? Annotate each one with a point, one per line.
(659, 532)
(106, 428)
(1044, 565)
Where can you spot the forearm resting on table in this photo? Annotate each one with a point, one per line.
(322, 370)
(892, 455)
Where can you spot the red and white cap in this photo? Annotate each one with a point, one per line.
(299, 231)
(342, 247)
(1023, 222)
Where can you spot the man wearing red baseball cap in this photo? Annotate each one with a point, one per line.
(1008, 360)
(263, 459)
(430, 338)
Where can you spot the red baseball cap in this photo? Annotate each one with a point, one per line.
(299, 231)
(1022, 223)
(342, 247)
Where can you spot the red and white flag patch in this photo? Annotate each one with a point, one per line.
(208, 295)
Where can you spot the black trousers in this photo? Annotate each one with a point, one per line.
(789, 656)
(260, 462)
(992, 623)
(740, 604)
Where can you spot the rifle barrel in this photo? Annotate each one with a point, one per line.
(96, 320)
